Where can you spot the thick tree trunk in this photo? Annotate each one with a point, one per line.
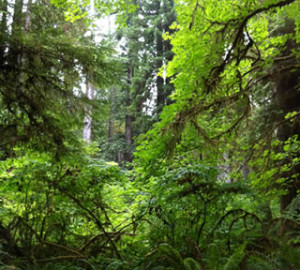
(8, 244)
(287, 98)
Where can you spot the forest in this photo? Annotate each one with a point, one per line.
(149, 134)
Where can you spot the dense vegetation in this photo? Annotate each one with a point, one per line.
(171, 143)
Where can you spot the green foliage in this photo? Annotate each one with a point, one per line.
(38, 83)
(166, 257)
(137, 102)
(214, 184)
(234, 262)
(117, 265)
(58, 266)
(190, 264)
(52, 193)
(225, 116)
(76, 10)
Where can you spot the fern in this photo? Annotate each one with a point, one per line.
(288, 257)
(191, 264)
(167, 258)
(9, 267)
(52, 266)
(257, 263)
(117, 265)
(162, 268)
(235, 260)
(171, 256)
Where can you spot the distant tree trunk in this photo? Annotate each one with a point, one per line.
(3, 29)
(90, 93)
(111, 120)
(17, 18)
(128, 119)
(161, 98)
(28, 17)
(110, 127)
(11, 61)
(117, 156)
(16, 33)
(164, 52)
(168, 7)
(88, 119)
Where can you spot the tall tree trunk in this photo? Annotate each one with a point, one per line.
(287, 98)
(90, 93)
(15, 55)
(17, 18)
(111, 120)
(128, 118)
(88, 119)
(11, 62)
(164, 52)
(3, 29)
(28, 17)
(168, 8)
(160, 102)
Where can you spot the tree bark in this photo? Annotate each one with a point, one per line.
(128, 119)
(112, 97)
(287, 98)
(4, 34)
(88, 118)
(168, 54)
(160, 102)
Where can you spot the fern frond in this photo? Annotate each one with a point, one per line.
(191, 264)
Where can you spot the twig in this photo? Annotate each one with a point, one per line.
(50, 243)
(194, 15)
(93, 216)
